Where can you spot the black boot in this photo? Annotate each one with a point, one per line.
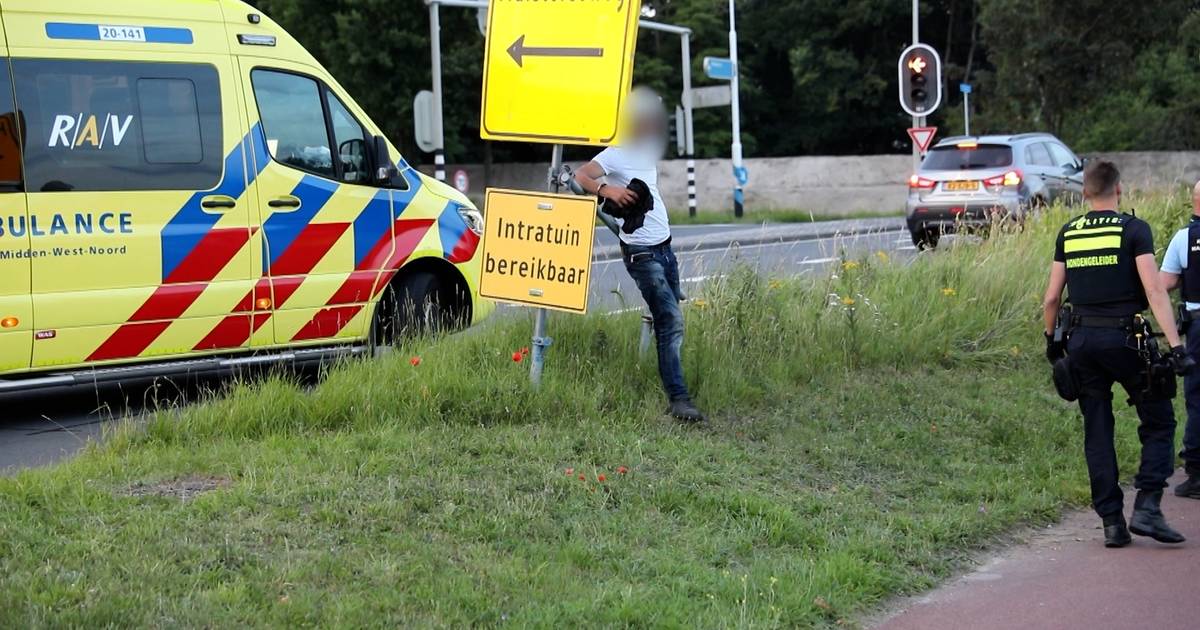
(1189, 489)
(1116, 533)
(1148, 519)
(685, 412)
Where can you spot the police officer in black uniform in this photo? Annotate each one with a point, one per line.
(1105, 261)
(1181, 269)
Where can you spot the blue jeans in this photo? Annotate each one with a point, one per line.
(656, 272)
(1191, 391)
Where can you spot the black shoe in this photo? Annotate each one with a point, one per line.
(1116, 533)
(1148, 519)
(684, 411)
(1189, 489)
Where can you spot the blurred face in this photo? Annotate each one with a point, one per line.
(649, 127)
(646, 124)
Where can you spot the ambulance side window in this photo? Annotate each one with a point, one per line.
(118, 125)
(309, 128)
(351, 142)
(10, 135)
(293, 119)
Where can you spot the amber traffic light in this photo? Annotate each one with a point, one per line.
(920, 80)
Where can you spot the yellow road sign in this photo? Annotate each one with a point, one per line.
(558, 72)
(537, 249)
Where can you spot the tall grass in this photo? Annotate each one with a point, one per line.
(751, 340)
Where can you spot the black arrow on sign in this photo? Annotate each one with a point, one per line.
(518, 51)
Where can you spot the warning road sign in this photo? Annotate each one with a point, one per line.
(557, 72)
(922, 137)
(537, 249)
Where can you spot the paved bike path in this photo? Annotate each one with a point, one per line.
(1065, 579)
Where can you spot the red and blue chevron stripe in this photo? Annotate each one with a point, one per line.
(193, 253)
(191, 225)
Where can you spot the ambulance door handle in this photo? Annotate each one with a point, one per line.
(218, 202)
(287, 201)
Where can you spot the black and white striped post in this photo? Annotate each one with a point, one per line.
(439, 164)
(439, 132)
(691, 168)
(685, 47)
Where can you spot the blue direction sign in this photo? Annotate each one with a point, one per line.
(965, 88)
(720, 68)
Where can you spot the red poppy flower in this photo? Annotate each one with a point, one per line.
(518, 357)
(582, 477)
(622, 470)
(415, 361)
(601, 478)
(570, 471)
(525, 351)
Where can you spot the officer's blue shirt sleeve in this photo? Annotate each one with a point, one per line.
(1175, 260)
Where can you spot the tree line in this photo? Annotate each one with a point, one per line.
(818, 76)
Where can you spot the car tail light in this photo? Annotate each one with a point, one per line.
(916, 181)
(1011, 178)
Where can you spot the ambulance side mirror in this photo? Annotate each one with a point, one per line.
(385, 169)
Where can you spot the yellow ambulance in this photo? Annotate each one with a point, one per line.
(184, 188)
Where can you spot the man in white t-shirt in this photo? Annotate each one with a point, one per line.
(647, 249)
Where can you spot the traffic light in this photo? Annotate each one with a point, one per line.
(920, 80)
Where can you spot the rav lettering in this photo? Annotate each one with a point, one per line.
(75, 131)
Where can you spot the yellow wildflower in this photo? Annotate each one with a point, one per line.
(848, 301)
(949, 292)
(849, 264)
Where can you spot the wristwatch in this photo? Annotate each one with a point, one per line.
(600, 188)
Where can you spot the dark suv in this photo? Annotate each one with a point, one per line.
(966, 182)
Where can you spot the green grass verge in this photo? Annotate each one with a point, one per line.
(680, 217)
(870, 431)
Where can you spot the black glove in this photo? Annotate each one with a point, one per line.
(1181, 361)
(1055, 350)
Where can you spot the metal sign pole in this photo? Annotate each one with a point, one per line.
(540, 341)
(439, 133)
(738, 193)
(917, 121)
(967, 114)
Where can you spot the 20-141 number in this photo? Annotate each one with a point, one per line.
(122, 33)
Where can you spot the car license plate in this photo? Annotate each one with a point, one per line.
(961, 185)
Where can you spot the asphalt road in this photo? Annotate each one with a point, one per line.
(41, 428)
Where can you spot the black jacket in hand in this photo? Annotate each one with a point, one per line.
(633, 216)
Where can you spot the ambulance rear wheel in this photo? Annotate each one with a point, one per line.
(418, 304)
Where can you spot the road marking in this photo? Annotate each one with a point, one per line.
(703, 278)
(817, 261)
